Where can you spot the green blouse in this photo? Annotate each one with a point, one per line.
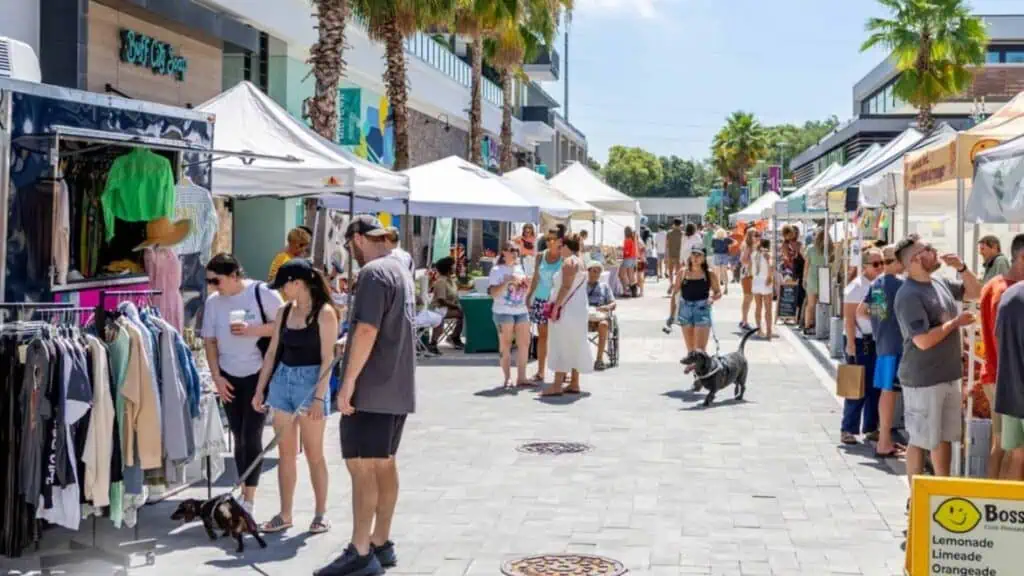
(140, 188)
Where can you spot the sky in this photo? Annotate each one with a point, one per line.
(664, 74)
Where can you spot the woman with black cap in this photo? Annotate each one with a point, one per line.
(296, 367)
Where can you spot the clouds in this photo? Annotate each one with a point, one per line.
(637, 8)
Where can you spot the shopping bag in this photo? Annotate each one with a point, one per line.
(850, 381)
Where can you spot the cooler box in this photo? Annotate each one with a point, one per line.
(479, 330)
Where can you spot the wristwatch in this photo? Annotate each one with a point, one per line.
(962, 269)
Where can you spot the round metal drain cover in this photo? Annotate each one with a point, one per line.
(563, 565)
(554, 448)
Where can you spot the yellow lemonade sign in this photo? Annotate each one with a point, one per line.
(965, 527)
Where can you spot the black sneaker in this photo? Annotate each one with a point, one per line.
(385, 553)
(350, 563)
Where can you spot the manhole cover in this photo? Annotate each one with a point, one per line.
(563, 565)
(554, 448)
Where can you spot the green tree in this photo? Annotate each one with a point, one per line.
(633, 171)
(593, 164)
(933, 42)
(738, 146)
(678, 178)
(390, 22)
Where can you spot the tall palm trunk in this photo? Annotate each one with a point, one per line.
(924, 109)
(326, 58)
(475, 95)
(506, 121)
(398, 96)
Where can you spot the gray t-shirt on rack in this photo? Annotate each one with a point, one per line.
(1010, 341)
(921, 306)
(385, 299)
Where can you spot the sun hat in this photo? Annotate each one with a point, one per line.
(163, 232)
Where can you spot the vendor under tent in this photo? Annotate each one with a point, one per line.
(755, 211)
(450, 188)
(249, 121)
(947, 165)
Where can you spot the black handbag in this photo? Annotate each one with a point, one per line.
(263, 343)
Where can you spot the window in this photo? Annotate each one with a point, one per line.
(992, 57)
(873, 105)
(1014, 57)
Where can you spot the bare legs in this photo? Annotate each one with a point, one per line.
(886, 409)
(602, 339)
(522, 334)
(763, 311)
(748, 299)
(374, 496)
(810, 311)
(311, 432)
(690, 338)
(723, 275)
(700, 337)
(542, 352)
(505, 335)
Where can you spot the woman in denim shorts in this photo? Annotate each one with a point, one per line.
(302, 349)
(697, 288)
(508, 285)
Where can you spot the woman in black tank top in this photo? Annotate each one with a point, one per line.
(694, 291)
(296, 366)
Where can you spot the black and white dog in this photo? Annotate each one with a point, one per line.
(223, 512)
(714, 373)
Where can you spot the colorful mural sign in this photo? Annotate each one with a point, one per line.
(350, 116)
(146, 52)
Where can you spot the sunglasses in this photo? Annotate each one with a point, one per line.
(213, 281)
(889, 261)
(875, 264)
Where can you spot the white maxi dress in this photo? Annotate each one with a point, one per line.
(568, 347)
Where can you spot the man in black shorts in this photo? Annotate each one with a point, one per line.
(377, 391)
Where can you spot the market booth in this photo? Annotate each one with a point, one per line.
(620, 211)
(755, 211)
(555, 206)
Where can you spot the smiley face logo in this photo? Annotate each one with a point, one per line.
(957, 515)
(982, 145)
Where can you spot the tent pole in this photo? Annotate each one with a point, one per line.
(960, 216)
(906, 209)
(974, 247)
(407, 229)
(351, 258)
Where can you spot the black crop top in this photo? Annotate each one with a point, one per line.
(696, 289)
(299, 347)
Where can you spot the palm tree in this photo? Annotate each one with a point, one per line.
(391, 22)
(933, 42)
(738, 146)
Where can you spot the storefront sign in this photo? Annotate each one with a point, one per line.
(965, 526)
(775, 179)
(146, 52)
(349, 131)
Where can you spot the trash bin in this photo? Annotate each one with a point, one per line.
(478, 323)
(822, 328)
(836, 341)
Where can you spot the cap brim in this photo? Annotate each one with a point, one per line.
(177, 235)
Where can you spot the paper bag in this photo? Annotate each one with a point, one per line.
(850, 381)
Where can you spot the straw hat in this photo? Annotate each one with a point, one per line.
(163, 232)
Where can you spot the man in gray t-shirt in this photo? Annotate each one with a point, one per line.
(930, 370)
(377, 392)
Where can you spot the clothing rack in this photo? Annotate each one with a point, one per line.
(121, 296)
(26, 309)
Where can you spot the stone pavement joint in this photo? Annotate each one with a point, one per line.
(668, 488)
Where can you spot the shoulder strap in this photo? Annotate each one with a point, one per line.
(259, 301)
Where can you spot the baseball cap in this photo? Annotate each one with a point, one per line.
(366, 225)
(294, 269)
(595, 264)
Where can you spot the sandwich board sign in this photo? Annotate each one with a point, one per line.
(965, 526)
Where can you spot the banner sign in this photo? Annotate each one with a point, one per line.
(965, 526)
(715, 199)
(836, 202)
(350, 116)
(775, 179)
(141, 50)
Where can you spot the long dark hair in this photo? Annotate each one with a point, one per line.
(320, 295)
(703, 266)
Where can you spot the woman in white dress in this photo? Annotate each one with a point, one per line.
(568, 347)
(763, 288)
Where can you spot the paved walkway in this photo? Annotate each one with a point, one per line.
(759, 487)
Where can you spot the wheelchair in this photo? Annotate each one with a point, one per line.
(612, 351)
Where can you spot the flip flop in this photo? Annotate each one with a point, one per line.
(276, 524)
(894, 453)
(574, 391)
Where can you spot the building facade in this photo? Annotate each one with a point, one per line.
(879, 115)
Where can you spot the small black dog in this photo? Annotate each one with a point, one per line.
(714, 374)
(225, 513)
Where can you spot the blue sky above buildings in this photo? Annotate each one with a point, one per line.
(664, 74)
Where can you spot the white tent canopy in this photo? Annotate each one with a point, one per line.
(894, 150)
(451, 188)
(609, 230)
(998, 193)
(884, 185)
(579, 183)
(817, 196)
(535, 189)
(247, 120)
(756, 209)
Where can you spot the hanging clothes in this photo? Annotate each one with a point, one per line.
(140, 188)
(196, 204)
(164, 270)
(61, 231)
(99, 443)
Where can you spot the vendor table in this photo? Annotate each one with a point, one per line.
(479, 330)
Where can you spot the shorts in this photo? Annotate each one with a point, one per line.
(720, 260)
(537, 312)
(694, 313)
(292, 389)
(371, 435)
(886, 370)
(629, 263)
(502, 319)
(933, 415)
(997, 418)
(1012, 432)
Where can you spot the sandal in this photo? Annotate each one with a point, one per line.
(571, 390)
(552, 391)
(599, 366)
(872, 436)
(894, 453)
(848, 439)
(276, 524)
(319, 525)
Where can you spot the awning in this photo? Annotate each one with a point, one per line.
(755, 210)
(537, 190)
(998, 195)
(580, 183)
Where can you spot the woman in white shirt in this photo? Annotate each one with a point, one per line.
(508, 285)
(763, 288)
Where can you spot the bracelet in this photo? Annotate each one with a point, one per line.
(962, 269)
(324, 400)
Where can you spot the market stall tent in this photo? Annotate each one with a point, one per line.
(755, 211)
(536, 189)
(247, 120)
(580, 183)
(883, 185)
(796, 202)
(998, 190)
(450, 188)
(817, 194)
